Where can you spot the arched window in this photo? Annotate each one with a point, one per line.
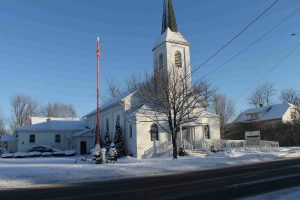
(154, 132)
(206, 132)
(130, 131)
(107, 125)
(178, 60)
(161, 61)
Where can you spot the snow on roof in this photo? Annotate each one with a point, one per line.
(36, 120)
(173, 37)
(84, 132)
(264, 113)
(111, 102)
(55, 125)
(8, 138)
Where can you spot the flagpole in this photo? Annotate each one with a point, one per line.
(98, 135)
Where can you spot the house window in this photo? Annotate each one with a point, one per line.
(253, 116)
(32, 138)
(154, 132)
(57, 138)
(161, 61)
(178, 60)
(206, 132)
(130, 131)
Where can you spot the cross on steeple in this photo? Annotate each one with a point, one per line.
(169, 19)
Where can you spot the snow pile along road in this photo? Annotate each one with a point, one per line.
(28, 172)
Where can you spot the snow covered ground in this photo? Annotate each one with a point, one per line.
(28, 172)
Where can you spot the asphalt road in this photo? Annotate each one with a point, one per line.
(225, 183)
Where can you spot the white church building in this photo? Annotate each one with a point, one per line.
(144, 138)
(170, 50)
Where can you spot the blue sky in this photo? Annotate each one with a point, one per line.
(47, 48)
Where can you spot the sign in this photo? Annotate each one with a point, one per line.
(252, 138)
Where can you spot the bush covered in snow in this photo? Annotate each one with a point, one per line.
(47, 154)
(20, 155)
(34, 154)
(7, 155)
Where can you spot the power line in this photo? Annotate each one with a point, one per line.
(272, 69)
(237, 35)
(251, 44)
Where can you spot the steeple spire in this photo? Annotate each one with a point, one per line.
(169, 19)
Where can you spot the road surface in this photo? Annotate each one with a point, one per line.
(225, 183)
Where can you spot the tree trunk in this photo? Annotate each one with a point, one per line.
(174, 142)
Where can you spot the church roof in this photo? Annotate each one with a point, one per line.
(112, 102)
(169, 19)
(169, 30)
(172, 37)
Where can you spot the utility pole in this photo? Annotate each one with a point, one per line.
(98, 135)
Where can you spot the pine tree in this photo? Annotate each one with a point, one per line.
(107, 140)
(119, 142)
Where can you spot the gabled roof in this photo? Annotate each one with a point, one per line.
(264, 113)
(112, 102)
(55, 125)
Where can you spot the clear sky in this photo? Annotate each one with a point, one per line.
(47, 48)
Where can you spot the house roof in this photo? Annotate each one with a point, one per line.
(265, 113)
(86, 132)
(55, 125)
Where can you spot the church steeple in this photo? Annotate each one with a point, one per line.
(169, 19)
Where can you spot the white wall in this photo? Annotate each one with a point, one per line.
(45, 138)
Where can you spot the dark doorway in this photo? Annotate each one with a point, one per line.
(82, 147)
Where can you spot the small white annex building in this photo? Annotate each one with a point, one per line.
(144, 138)
(283, 112)
(60, 134)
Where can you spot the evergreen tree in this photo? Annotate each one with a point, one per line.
(107, 140)
(119, 142)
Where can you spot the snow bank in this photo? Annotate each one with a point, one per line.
(20, 154)
(47, 154)
(70, 153)
(7, 155)
(34, 154)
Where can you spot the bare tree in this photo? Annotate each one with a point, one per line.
(170, 101)
(262, 95)
(134, 82)
(290, 96)
(23, 108)
(57, 109)
(223, 107)
(113, 89)
(3, 122)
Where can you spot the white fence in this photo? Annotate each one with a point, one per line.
(216, 145)
(210, 145)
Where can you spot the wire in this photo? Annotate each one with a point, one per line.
(237, 35)
(251, 44)
(272, 69)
